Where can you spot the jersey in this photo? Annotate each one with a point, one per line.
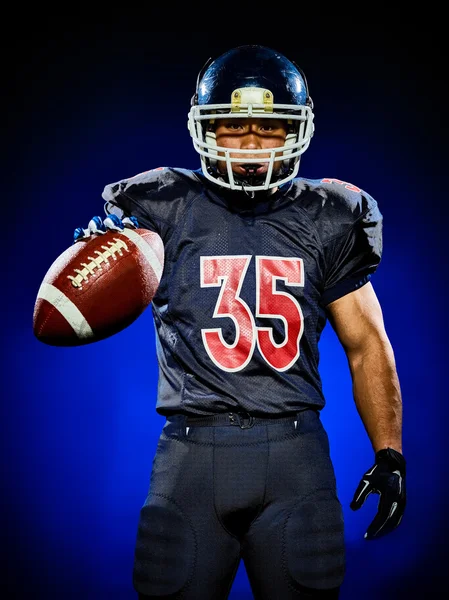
(242, 301)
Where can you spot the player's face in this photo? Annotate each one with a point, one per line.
(248, 134)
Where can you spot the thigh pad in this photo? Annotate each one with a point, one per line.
(165, 550)
(313, 541)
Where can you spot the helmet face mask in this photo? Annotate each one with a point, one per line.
(236, 86)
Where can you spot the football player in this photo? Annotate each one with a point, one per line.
(257, 259)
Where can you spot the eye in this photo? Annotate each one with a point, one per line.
(275, 127)
(233, 125)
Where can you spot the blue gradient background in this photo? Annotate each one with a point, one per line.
(79, 426)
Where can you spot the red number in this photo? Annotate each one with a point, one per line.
(280, 305)
(348, 186)
(229, 273)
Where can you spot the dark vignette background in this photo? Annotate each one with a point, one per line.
(79, 426)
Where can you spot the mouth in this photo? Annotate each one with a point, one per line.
(251, 169)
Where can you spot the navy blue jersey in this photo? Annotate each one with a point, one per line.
(242, 301)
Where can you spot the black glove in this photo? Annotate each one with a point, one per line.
(387, 478)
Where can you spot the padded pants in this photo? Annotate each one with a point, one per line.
(265, 495)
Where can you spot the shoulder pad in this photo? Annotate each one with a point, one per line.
(334, 204)
(343, 197)
(151, 180)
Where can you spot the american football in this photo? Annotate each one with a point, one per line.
(97, 287)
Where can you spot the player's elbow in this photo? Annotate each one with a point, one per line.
(373, 345)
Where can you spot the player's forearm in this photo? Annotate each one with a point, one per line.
(377, 393)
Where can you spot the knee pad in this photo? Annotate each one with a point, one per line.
(165, 550)
(313, 544)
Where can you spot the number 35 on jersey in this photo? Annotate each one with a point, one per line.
(228, 274)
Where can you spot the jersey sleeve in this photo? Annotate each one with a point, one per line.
(353, 256)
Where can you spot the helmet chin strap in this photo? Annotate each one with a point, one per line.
(250, 194)
(250, 178)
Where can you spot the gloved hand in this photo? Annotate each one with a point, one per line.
(387, 478)
(98, 226)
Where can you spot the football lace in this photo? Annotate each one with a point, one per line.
(115, 247)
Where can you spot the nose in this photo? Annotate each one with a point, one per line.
(251, 141)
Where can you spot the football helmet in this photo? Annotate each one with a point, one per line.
(244, 82)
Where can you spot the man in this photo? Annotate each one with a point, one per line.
(256, 260)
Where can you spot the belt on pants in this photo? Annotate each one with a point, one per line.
(240, 419)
